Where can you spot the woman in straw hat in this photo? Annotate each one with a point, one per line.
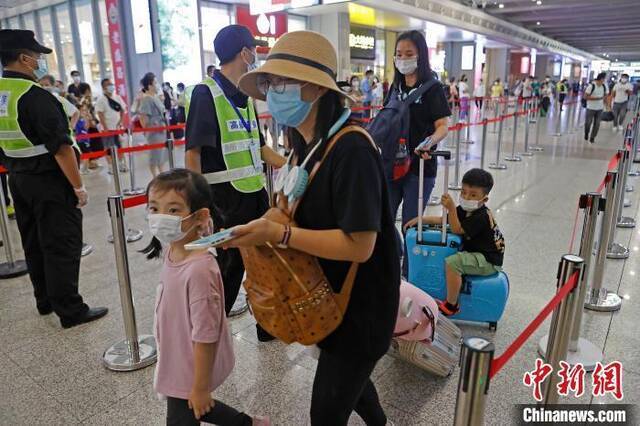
(344, 217)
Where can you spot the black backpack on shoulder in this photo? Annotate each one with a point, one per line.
(393, 123)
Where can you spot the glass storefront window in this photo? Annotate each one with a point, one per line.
(90, 60)
(214, 17)
(47, 39)
(14, 23)
(29, 22)
(104, 26)
(66, 40)
(296, 23)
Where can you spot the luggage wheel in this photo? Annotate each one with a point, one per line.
(493, 326)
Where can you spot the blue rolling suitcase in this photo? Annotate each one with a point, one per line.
(482, 298)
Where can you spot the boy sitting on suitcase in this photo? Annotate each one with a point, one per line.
(483, 242)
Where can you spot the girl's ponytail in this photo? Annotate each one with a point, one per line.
(153, 250)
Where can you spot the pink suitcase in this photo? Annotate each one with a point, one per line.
(423, 337)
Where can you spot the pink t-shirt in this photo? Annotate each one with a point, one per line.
(190, 308)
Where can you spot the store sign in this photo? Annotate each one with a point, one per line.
(264, 26)
(269, 6)
(621, 66)
(362, 43)
(117, 52)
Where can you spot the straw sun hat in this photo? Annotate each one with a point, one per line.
(302, 55)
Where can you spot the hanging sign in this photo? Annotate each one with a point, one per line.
(362, 43)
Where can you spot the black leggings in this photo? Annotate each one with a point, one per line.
(179, 414)
(341, 386)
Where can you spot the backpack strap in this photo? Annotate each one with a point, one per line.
(421, 90)
(336, 138)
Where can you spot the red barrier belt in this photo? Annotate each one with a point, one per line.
(93, 155)
(499, 362)
(105, 134)
(134, 201)
(141, 148)
(101, 134)
(613, 163)
(575, 228)
(158, 129)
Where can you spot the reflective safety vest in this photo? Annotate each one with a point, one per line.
(12, 141)
(240, 149)
(188, 91)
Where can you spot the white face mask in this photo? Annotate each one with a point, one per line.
(76, 79)
(407, 66)
(167, 228)
(469, 205)
(623, 80)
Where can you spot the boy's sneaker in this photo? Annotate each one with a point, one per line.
(447, 308)
(592, 140)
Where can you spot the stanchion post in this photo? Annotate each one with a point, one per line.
(134, 352)
(537, 147)
(496, 114)
(132, 235)
(527, 124)
(467, 139)
(170, 143)
(11, 268)
(616, 250)
(133, 190)
(513, 156)
(533, 107)
(572, 117)
(115, 170)
(560, 329)
(581, 350)
(269, 185)
(634, 148)
(580, 108)
(599, 298)
(498, 165)
(455, 185)
(623, 169)
(473, 385)
(483, 149)
(628, 145)
(558, 113)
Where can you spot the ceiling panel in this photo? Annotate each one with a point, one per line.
(609, 27)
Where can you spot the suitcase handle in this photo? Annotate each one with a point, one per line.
(446, 155)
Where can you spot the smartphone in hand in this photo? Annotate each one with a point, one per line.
(214, 240)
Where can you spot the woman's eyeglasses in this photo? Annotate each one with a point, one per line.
(274, 83)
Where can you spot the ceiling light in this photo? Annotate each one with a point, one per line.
(538, 23)
(539, 2)
(501, 6)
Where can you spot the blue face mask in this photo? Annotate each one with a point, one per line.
(288, 108)
(42, 70)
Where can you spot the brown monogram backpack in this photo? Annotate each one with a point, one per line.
(287, 290)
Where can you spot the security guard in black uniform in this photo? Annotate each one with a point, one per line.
(38, 150)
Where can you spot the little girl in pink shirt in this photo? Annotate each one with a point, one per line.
(195, 351)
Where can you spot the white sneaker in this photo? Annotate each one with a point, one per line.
(615, 128)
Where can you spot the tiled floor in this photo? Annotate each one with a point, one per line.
(55, 377)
